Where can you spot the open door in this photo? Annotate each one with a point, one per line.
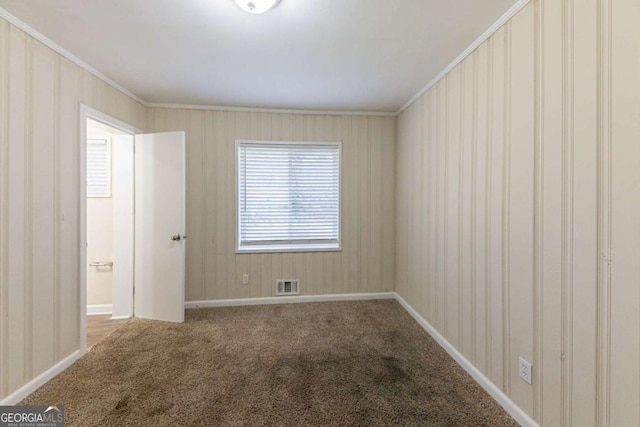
(160, 226)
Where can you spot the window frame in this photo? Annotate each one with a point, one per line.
(284, 248)
(107, 142)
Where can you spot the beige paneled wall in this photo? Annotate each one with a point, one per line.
(504, 207)
(39, 193)
(214, 271)
(40, 92)
(619, 155)
(518, 209)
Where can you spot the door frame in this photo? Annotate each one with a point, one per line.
(87, 112)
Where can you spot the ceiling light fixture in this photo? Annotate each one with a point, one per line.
(256, 6)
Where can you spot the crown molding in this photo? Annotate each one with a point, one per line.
(272, 110)
(473, 46)
(62, 51)
(71, 57)
(79, 62)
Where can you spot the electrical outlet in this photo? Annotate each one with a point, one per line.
(525, 370)
(245, 279)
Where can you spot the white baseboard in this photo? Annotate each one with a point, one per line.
(518, 414)
(93, 310)
(288, 299)
(514, 410)
(41, 379)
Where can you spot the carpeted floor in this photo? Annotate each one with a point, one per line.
(362, 363)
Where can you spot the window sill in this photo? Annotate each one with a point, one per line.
(287, 249)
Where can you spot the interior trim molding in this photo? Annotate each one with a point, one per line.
(473, 46)
(498, 395)
(41, 379)
(288, 299)
(62, 51)
(518, 414)
(271, 110)
(71, 57)
(79, 62)
(93, 310)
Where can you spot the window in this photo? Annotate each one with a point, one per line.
(288, 196)
(98, 168)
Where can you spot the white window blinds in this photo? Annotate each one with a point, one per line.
(288, 196)
(98, 168)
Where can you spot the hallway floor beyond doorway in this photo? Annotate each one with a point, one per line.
(101, 326)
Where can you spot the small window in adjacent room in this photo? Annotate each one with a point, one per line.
(288, 196)
(98, 167)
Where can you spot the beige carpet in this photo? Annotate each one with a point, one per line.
(362, 363)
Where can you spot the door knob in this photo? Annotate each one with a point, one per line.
(176, 237)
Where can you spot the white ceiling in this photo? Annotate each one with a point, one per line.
(358, 55)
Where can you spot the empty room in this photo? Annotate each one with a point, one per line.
(319, 213)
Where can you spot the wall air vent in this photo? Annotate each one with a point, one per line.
(287, 287)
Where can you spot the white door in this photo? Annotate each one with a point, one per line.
(159, 226)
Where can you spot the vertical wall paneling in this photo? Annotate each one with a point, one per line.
(28, 213)
(442, 94)
(69, 207)
(512, 181)
(604, 215)
(567, 211)
(472, 215)
(452, 206)
(432, 203)
(4, 202)
(14, 371)
(423, 171)
(403, 191)
(506, 181)
(483, 174)
(416, 227)
(498, 42)
(481, 296)
(56, 209)
(376, 204)
(551, 84)
(196, 248)
(39, 194)
(366, 262)
(465, 238)
(538, 155)
(584, 221)
(624, 381)
(520, 196)
(213, 180)
(535, 223)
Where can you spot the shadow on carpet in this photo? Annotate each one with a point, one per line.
(362, 363)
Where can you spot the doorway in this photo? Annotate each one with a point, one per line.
(108, 147)
(132, 222)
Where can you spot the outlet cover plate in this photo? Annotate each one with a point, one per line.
(525, 370)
